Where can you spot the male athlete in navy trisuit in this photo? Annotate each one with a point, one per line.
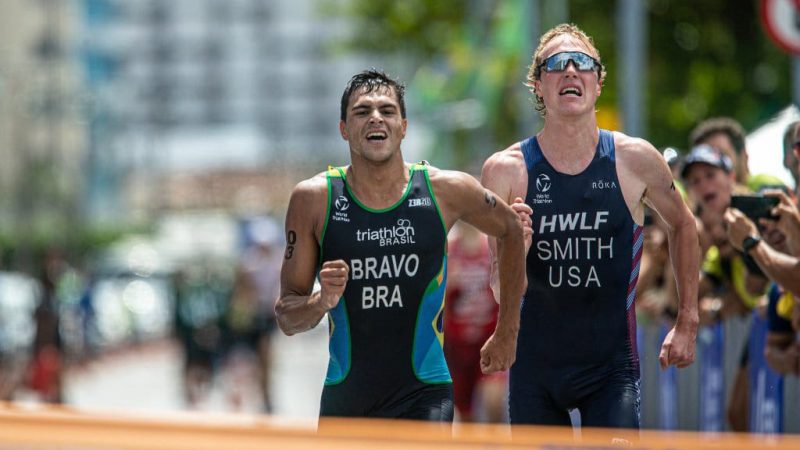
(375, 233)
(588, 189)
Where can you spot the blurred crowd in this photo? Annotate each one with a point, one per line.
(749, 230)
(220, 312)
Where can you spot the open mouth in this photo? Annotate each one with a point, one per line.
(708, 198)
(376, 136)
(571, 91)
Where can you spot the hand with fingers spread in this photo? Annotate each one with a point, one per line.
(524, 214)
(333, 280)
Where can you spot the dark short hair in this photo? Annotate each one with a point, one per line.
(725, 125)
(370, 80)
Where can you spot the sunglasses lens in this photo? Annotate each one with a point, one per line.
(560, 61)
(584, 62)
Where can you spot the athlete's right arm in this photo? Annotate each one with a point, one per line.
(297, 308)
(504, 173)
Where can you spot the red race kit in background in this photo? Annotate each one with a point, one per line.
(470, 318)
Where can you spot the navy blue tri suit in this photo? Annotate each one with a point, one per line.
(577, 338)
(386, 357)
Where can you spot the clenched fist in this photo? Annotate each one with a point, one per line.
(524, 212)
(333, 279)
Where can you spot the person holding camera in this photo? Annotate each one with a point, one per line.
(766, 243)
(727, 287)
(730, 286)
(772, 240)
(769, 247)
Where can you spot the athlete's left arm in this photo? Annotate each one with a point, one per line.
(461, 197)
(505, 174)
(661, 195)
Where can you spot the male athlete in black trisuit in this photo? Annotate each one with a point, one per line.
(588, 189)
(376, 232)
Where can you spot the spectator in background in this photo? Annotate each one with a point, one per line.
(470, 318)
(727, 286)
(17, 321)
(769, 248)
(790, 161)
(251, 317)
(789, 217)
(776, 258)
(201, 302)
(47, 364)
(726, 135)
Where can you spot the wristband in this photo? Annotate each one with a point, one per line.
(750, 242)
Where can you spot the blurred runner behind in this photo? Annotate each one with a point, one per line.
(251, 318)
(470, 318)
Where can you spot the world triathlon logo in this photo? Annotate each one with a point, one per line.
(341, 203)
(543, 182)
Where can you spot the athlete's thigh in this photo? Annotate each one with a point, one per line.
(615, 405)
(530, 404)
(432, 405)
(339, 401)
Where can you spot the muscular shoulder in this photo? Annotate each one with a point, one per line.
(456, 192)
(506, 174)
(307, 205)
(637, 154)
(312, 188)
(508, 162)
(445, 182)
(642, 171)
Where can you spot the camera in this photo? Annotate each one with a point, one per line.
(755, 206)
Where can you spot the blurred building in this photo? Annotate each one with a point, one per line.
(203, 86)
(42, 132)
